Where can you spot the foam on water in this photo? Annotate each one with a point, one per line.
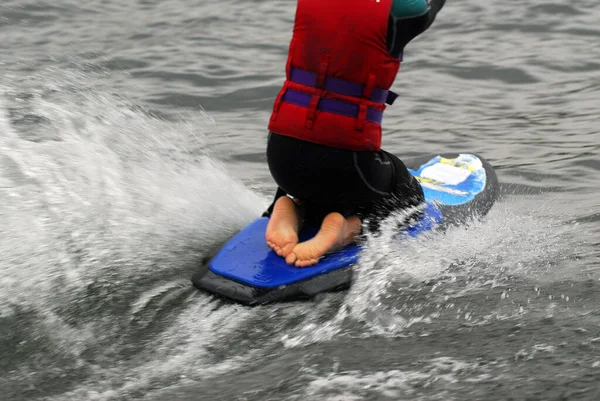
(394, 384)
(112, 187)
(106, 211)
(403, 282)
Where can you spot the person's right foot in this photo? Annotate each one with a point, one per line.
(336, 232)
(282, 230)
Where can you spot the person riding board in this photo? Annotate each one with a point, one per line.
(324, 144)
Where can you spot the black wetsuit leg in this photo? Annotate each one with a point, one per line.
(370, 185)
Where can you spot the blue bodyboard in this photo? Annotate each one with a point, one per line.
(450, 184)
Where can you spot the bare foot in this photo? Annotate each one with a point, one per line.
(336, 232)
(282, 230)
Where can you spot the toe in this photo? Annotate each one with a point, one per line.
(291, 258)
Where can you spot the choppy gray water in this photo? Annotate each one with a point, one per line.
(114, 183)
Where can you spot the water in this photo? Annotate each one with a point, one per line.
(133, 138)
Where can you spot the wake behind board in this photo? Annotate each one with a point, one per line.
(457, 188)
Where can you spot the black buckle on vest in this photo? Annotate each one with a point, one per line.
(391, 97)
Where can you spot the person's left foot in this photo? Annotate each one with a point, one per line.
(282, 230)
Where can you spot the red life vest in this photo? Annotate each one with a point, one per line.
(338, 74)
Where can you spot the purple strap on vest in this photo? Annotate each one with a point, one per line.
(342, 87)
(331, 106)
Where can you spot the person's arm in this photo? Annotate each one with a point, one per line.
(408, 19)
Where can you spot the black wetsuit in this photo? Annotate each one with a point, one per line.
(363, 183)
